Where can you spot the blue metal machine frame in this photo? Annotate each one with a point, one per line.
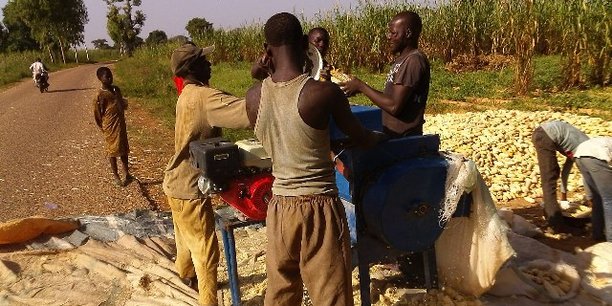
(226, 222)
(372, 172)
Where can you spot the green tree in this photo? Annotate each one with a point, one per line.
(156, 37)
(54, 21)
(19, 37)
(198, 28)
(138, 42)
(101, 44)
(124, 24)
(3, 37)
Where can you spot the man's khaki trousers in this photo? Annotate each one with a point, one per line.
(197, 248)
(308, 241)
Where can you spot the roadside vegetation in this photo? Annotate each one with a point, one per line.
(53, 30)
(46, 29)
(14, 65)
(522, 55)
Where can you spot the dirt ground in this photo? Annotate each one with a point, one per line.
(250, 254)
(154, 155)
(52, 160)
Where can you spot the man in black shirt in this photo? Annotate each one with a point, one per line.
(405, 95)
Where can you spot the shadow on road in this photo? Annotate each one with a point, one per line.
(72, 89)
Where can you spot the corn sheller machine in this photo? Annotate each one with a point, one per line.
(392, 193)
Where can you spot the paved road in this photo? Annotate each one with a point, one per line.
(52, 159)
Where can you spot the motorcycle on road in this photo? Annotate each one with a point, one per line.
(42, 81)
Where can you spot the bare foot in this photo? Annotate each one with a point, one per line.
(128, 179)
(117, 180)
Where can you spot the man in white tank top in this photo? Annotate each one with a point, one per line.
(306, 226)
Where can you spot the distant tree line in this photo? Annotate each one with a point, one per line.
(43, 24)
(58, 25)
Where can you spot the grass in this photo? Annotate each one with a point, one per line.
(147, 77)
(599, 98)
(447, 85)
(15, 66)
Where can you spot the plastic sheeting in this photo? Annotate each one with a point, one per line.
(128, 271)
(22, 230)
(140, 223)
(111, 260)
(42, 233)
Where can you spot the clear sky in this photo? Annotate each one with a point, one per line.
(171, 16)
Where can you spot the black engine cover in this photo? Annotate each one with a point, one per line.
(218, 158)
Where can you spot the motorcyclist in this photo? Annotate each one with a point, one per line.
(37, 68)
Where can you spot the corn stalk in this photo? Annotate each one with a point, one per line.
(523, 27)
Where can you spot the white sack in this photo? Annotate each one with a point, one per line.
(472, 249)
(597, 263)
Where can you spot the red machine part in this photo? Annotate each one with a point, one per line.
(250, 195)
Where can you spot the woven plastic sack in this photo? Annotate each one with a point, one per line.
(540, 280)
(471, 250)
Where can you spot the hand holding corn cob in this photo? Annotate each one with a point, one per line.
(338, 76)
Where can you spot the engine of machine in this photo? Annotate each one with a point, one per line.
(240, 173)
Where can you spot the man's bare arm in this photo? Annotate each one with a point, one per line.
(322, 101)
(253, 97)
(393, 104)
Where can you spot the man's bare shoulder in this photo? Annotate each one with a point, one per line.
(321, 92)
(254, 91)
(317, 102)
